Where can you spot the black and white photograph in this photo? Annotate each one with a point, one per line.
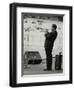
(40, 44)
(42, 39)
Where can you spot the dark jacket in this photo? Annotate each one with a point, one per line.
(49, 40)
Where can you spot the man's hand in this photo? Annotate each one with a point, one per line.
(46, 31)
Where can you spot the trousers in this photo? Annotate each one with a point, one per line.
(48, 58)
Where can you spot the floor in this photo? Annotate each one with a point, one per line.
(39, 69)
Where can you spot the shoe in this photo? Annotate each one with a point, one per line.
(47, 69)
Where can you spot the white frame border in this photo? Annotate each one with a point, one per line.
(43, 77)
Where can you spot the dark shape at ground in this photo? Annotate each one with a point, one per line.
(58, 62)
(33, 57)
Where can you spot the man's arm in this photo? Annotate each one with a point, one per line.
(48, 35)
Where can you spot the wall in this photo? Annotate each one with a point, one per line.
(34, 34)
(4, 44)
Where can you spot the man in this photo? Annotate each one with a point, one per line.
(49, 42)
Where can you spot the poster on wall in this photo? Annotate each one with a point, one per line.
(40, 44)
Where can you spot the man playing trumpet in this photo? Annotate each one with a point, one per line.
(49, 43)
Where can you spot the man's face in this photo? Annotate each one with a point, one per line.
(52, 29)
